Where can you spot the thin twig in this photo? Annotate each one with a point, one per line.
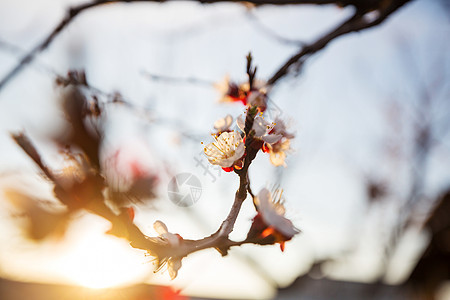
(355, 23)
(18, 51)
(76, 10)
(219, 240)
(172, 79)
(268, 31)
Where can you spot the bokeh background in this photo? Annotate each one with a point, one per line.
(371, 113)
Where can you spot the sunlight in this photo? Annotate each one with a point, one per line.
(98, 261)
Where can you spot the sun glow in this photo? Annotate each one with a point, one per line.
(100, 261)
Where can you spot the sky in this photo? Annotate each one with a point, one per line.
(353, 101)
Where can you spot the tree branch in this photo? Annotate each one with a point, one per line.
(171, 79)
(76, 10)
(89, 193)
(96, 206)
(123, 226)
(357, 22)
(269, 32)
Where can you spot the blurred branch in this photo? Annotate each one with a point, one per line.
(24, 142)
(9, 46)
(68, 198)
(18, 51)
(354, 24)
(171, 79)
(416, 205)
(87, 192)
(28, 58)
(268, 31)
(115, 98)
(359, 21)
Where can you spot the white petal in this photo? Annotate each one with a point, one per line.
(160, 227)
(224, 123)
(173, 265)
(227, 148)
(272, 138)
(173, 239)
(263, 199)
(240, 123)
(273, 216)
(261, 126)
(277, 159)
(223, 85)
(257, 98)
(280, 128)
(239, 151)
(282, 224)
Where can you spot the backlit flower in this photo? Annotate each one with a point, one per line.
(258, 85)
(233, 92)
(280, 128)
(270, 225)
(263, 129)
(257, 98)
(223, 124)
(227, 148)
(277, 152)
(174, 241)
(230, 91)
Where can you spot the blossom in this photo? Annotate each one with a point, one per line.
(274, 138)
(174, 241)
(280, 128)
(233, 92)
(263, 129)
(258, 85)
(257, 98)
(270, 225)
(277, 150)
(223, 124)
(230, 91)
(227, 149)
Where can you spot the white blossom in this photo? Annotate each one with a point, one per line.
(272, 212)
(223, 124)
(262, 128)
(173, 240)
(277, 152)
(280, 128)
(227, 149)
(257, 98)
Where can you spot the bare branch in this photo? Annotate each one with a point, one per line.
(24, 142)
(123, 226)
(171, 79)
(268, 31)
(96, 206)
(355, 23)
(74, 11)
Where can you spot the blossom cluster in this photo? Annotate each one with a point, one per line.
(256, 95)
(270, 224)
(112, 184)
(229, 149)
